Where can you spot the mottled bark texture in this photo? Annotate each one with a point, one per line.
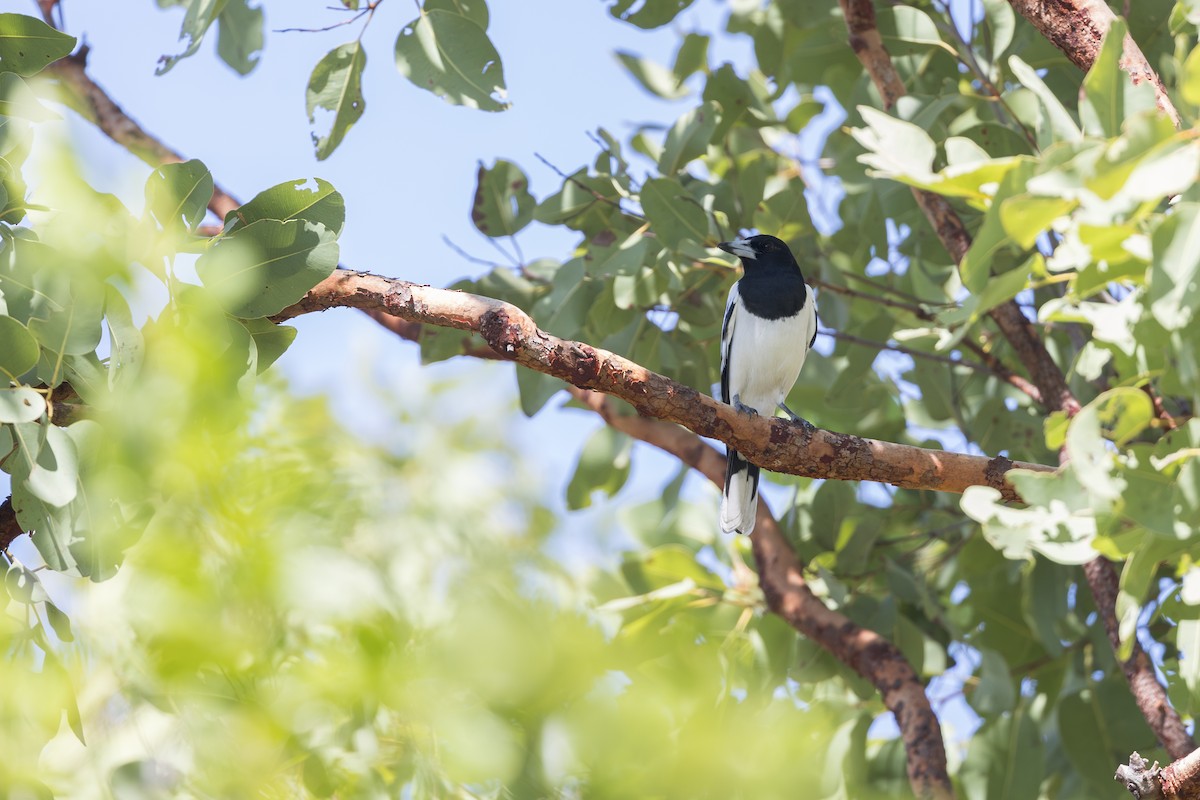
(775, 444)
(1077, 28)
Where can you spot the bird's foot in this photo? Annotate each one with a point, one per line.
(796, 418)
(742, 408)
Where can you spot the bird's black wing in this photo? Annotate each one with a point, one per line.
(727, 326)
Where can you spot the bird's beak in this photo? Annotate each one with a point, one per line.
(739, 247)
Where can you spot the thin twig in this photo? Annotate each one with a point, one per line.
(600, 197)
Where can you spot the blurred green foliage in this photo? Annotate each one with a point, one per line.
(252, 601)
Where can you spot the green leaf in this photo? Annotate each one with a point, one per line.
(688, 138)
(240, 35)
(18, 348)
(262, 268)
(336, 86)
(271, 340)
(474, 10)
(1104, 86)
(1061, 125)
(21, 404)
(1190, 84)
(18, 100)
(200, 16)
(127, 343)
(1100, 724)
(603, 467)
(653, 77)
(692, 57)
(648, 13)
(51, 471)
(995, 693)
(312, 199)
(177, 195)
(28, 45)
(54, 529)
(674, 215)
(895, 148)
(22, 584)
(74, 326)
(1174, 290)
(1025, 217)
(1058, 522)
(988, 769)
(59, 622)
(451, 55)
(502, 204)
(535, 389)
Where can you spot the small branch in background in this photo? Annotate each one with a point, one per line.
(576, 182)
(47, 8)
(1160, 410)
(1139, 671)
(367, 11)
(916, 310)
(483, 262)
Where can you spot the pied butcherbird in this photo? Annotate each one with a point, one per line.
(770, 325)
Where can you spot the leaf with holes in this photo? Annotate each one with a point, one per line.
(177, 195)
(451, 55)
(310, 199)
(502, 204)
(21, 404)
(240, 35)
(28, 45)
(263, 268)
(336, 87)
(200, 16)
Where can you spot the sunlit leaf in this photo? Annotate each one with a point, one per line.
(450, 55)
(262, 268)
(28, 45)
(335, 87)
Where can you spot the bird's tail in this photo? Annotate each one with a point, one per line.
(739, 501)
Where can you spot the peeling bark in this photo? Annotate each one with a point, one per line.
(1077, 28)
(775, 444)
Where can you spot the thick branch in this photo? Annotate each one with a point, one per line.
(773, 444)
(1077, 28)
(788, 595)
(1139, 672)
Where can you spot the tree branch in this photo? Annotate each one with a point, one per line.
(89, 100)
(773, 444)
(788, 595)
(1150, 695)
(1077, 28)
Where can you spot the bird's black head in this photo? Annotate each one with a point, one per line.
(761, 251)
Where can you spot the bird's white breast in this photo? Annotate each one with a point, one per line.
(766, 355)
